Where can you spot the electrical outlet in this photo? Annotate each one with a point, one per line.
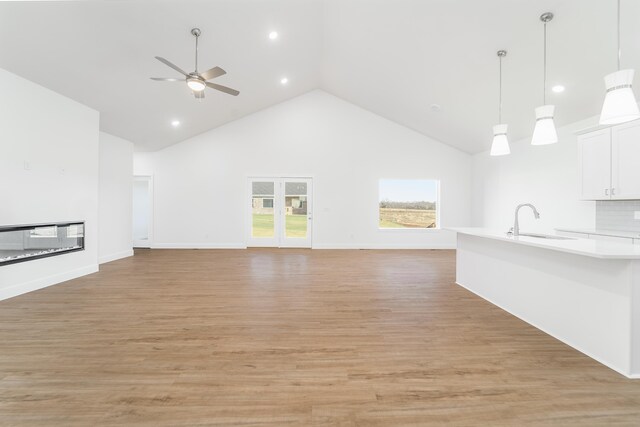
(27, 165)
(636, 215)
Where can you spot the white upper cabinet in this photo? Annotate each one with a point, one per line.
(610, 163)
(625, 161)
(595, 165)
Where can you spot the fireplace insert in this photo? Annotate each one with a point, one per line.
(19, 243)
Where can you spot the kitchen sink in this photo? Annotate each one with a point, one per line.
(546, 236)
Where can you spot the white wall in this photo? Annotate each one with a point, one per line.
(546, 176)
(48, 173)
(141, 211)
(200, 185)
(115, 195)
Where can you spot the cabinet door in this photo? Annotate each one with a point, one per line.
(625, 161)
(595, 165)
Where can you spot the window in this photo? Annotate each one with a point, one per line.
(409, 203)
(267, 203)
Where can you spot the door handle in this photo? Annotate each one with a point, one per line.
(606, 191)
(613, 191)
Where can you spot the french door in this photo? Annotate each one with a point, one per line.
(280, 212)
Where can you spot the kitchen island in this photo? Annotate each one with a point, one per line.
(586, 293)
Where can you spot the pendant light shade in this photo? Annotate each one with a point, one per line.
(545, 131)
(619, 103)
(500, 144)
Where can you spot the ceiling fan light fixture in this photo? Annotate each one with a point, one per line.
(195, 84)
(619, 103)
(197, 81)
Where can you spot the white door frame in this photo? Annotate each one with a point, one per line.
(279, 240)
(149, 242)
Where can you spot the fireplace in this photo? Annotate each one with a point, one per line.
(20, 243)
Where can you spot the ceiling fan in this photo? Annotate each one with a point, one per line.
(196, 81)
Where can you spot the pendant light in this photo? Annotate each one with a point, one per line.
(619, 103)
(500, 144)
(545, 130)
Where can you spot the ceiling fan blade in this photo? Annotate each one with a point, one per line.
(213, 73)
(198, 95)
(223, 89)
(166, 79)
(175, 67)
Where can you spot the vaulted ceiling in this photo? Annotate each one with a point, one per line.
(395, 58)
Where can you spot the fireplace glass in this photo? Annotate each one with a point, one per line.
(19, 243)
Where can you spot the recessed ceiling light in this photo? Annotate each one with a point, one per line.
(558, 88)
(435, 108)
(284, 80)
(273, 35)
(175, 123)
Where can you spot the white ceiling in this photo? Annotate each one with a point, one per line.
(102, 55)
(392, 57)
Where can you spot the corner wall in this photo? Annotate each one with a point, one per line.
(546, 176)
(200, 185)
(115, 198)
(48, 173)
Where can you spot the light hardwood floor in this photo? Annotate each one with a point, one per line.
(289, 337)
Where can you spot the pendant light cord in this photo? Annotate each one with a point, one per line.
(500, 103)
(544, 73)
(619, 50)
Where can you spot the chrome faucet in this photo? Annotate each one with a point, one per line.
(516, 225)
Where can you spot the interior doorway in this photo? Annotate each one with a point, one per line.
(142, 211)
(280, 212)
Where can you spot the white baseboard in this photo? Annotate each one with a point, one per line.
(199, 246)
(381, 246)
(44, 282)
(116, 256)
(314, 246)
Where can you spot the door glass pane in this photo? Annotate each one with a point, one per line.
(262, 195)
(295, 202)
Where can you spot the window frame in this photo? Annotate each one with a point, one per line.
(438, 226)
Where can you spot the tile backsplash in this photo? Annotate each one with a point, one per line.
(617, 215)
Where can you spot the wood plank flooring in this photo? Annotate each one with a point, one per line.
(289, 337)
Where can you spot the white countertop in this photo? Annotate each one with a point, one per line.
(601, 232)
(586, 247)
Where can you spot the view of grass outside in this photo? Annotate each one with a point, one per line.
(262, 225)
(408, 203)
(295, 225)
